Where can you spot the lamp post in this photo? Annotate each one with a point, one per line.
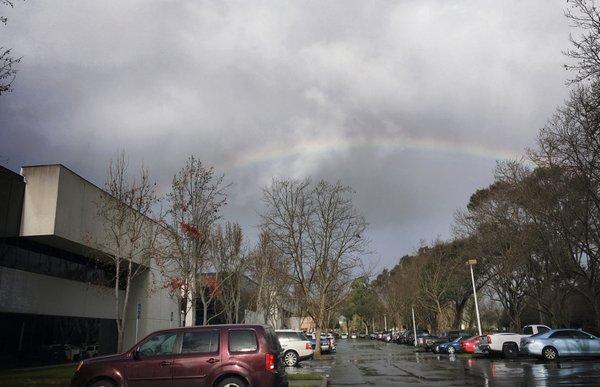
(472, 262)
(414, 326)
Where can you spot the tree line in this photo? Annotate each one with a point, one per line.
(310, 245)
(535, 230)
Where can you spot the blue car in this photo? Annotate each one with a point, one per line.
(325, 344)
(450, 347)
(561, 342)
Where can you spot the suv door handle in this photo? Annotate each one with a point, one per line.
(212, 360)
(166, 363)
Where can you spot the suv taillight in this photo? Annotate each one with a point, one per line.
(489, 339)
(308, 345)
(269, 362)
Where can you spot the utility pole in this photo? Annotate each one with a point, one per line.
(385, 322)
(414, 326)
(472, 262)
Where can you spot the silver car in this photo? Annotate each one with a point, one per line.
(561, 342)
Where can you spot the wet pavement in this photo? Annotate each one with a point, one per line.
(373, 363)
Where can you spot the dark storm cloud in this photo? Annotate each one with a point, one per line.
(224, 80)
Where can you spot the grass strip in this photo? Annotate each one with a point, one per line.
(40, 376)
(305, 376)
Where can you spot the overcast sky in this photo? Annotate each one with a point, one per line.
(409, 102)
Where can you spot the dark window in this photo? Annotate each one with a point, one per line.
(200, 342)
(272, 341)
(528, 331)
(242, 340)
(561, 335)
(158, 345)
(580, 335)
(26, 255)
(302, 336)
(543, 329)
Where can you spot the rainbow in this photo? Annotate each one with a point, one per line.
(332, 145)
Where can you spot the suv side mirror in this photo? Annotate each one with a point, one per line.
(136, 353)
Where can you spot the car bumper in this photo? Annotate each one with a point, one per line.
(534, 349)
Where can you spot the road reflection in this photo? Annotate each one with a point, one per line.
(527, 371)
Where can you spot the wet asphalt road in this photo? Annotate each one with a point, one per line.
(373, 363)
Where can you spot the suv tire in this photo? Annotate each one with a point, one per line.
(232, 381)
(290, 359)
(103, 383)
(510, 350)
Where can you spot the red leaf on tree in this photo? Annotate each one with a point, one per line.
(190, 231)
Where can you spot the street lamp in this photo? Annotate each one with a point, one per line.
(414, 326)
(472, 262)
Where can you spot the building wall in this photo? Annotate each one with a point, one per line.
(12, 189)
(60, 209)
(39, 204)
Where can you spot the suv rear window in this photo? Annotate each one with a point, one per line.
(528, 331)
(242, 340)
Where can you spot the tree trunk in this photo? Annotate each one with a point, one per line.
(317, 353)
(459, 309)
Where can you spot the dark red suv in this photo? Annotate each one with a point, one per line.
(214, 355)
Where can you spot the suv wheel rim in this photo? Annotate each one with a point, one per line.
(451, 350)
(232, 385)
(290, 359)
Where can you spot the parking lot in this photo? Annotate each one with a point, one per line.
(364, 362)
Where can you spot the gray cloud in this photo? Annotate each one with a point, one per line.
(231, 81)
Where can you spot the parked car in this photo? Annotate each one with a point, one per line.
(551, 345)
(344, 335)
(362, 335)
(507, 344)
(331, 339)
(90, 351)
(353, 336)
(64, 352)
(422, 339)
(216, 355)
(402, 337)
(325, 344)
(386, 336)
(470, 344)
(410, 338)
(296, 346)
(450, 347)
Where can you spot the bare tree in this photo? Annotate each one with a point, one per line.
(266, 264)
(8, 72)
(230, 265)
(321, 234)
(585, 17)
(130, 233)
(193, 206)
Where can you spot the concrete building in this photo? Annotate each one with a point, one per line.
(53, 287)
